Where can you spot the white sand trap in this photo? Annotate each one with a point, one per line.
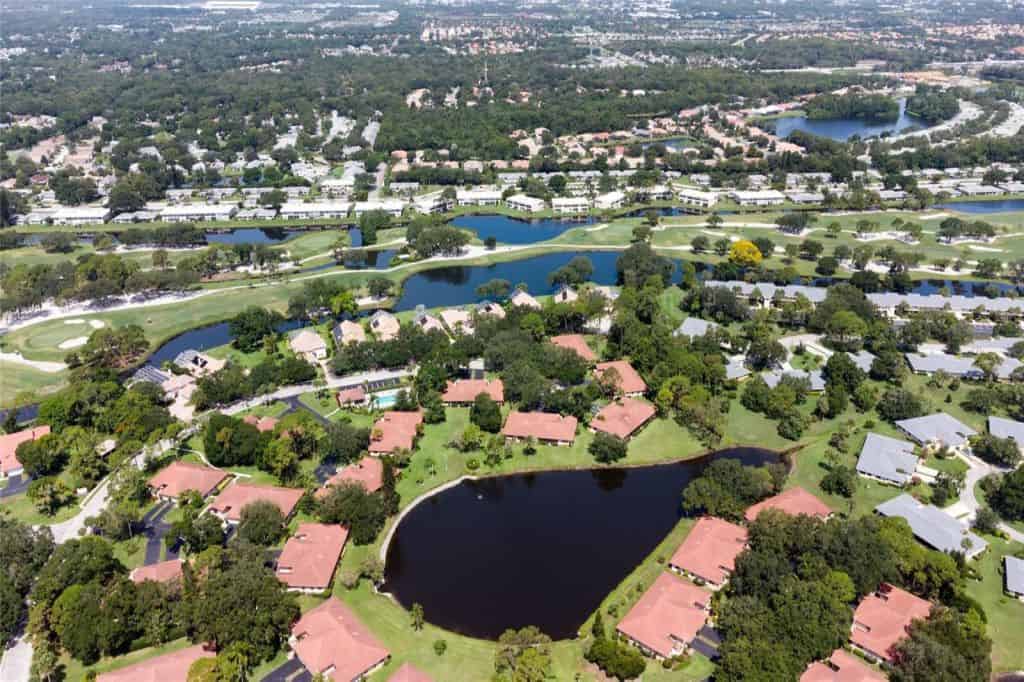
(97, 324)
(74, 321)
(76, 342)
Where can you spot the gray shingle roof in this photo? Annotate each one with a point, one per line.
(735, 368)
(773, 377)
(694, 326)
(767, 289)
(151, 374)
(1001, 427)
(957, 366)
(1015, 575)
(937, 427)
(955, 303)
(887, 458)
(863, 359)
(932, 526)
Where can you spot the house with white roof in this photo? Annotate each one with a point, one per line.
(1014, 573)
(937, 430)
(934, 527)
(888, 460)
(524, 203)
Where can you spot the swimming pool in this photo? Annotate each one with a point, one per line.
(384, 400)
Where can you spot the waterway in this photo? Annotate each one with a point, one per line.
(536, 549)
(508, 230)
(1000, 206)
(842, 129)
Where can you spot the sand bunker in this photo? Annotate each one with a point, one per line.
(76, 342)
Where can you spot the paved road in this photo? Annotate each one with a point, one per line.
(16, 662)
(284, 394)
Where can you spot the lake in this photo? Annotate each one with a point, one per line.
(842, 129)
(536, 549)
(253, 235)
(1001, 206)
(508, 230)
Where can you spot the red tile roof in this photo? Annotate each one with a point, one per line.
(9, 446)
(881, 619)
(622, 418)
(575, 342)
(795, 501)
(842, 666)
(172, 667)
(540, 425)
(410, 673)
(395, 431)
(629, 380)
(330, 637)
(161, 572)
(180, 476)
(351, 395)
(310, 556)
(710, 550)
(466, 390)
(368, 472)
(671, 611)
(261, 423)
(236, 497)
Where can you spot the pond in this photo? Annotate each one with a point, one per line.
(1001, 206)
(253, 235)
(536, 549)
(842, 129)
(508, 230)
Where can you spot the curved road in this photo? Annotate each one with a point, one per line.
(977, 471)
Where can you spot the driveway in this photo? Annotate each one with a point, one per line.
(156, 529)
(977, 471)
(15, 486)
(16, 661)
(291, 670)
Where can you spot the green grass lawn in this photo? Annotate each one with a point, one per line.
(23, 509)
(1005, 615)
(74, 671)
(20, 384)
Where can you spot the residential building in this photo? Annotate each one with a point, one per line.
(842, 666)
(309, 558)
(191, 213)
(478, 197)
(1014, 574)
(490, 308)
(348, 397)
(384, 325)
(628, 381)
(348, 332)
(667, 617)
(1000, 427)
(465, 391)
(393, 207)
(764, 197)
(9, 464)
(609, 201)
(330, 641)
(262, 424)
(170, 482)
(565, 294)
(544, 427)
(693, 327)
(524, 203)
(395, 431)
(300, 210)
(709, 552)
(934, 527)
(457, 321)
(576, 343)
(815, 379)
(429, 204)
(367, 472)
(160, 572)
(520, 298)
(937, 430)
(428, 323)
(623, 418)
(198, 364)
(80, 215)
(172, 667)
(882, 619)
(888, 460)
(569, 205)
(308, 345)
(695, 197)
(228, 505)
(795, 501)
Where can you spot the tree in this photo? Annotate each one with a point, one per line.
(23, 552)
(949, 645)
(350, 505)
(607, 448)
(523, 656)
(1007, 496)
(249, 327)
(229, 441)
(639, 262)
(726, 488)
(840, 480)
(49, 494)
(899, 403)
(242, 601)
(846, 329)
(110, 348)
(416, 615)
(986, 521)
(840, 369)
(262, 523)
(486, 413)
(744, 254)
(1003, 452)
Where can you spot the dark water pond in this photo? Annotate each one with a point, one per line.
(515, 231)
(1001, 206)
(842, 129)
(254, 235)
(536, 549)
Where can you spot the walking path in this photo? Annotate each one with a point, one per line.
(977, 471)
